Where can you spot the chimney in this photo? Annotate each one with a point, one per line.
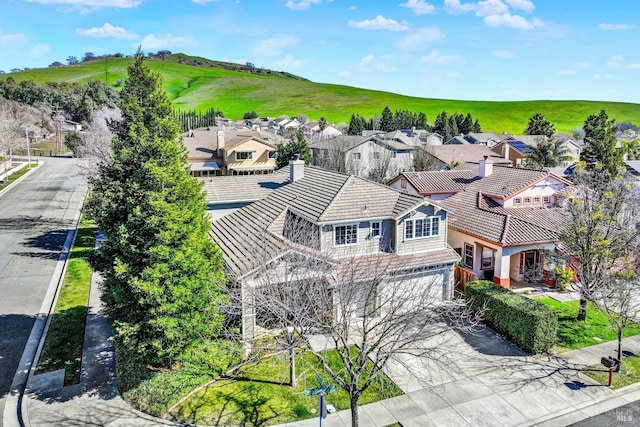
(485, 167)
(296, 168)
(220, 139)
(505, 151)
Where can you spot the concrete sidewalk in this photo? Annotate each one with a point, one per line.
(487, 382)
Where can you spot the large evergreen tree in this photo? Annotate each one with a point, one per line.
(161, 270)
(297, 144)
(386, 121)
(356, 124)
(538, 125)
(600, 151)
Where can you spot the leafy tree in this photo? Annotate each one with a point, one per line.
(466, 125)
(548, 152)
(386, 121)
(71, 60)
(56, 64)
(250, 115)
(441, 125)
(600, 150)
(161, 270)
(356, 124)
(453, 126)
(476, 127)
(88, 56)
(599, 241)
(421, 122)
(297, 144)
(322, 124)
(538, 125)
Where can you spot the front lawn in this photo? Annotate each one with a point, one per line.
(259, 394)
(629, 373)
(573, 334)
(65, 338)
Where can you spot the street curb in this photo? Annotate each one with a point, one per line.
(10, 186)
(15, 414)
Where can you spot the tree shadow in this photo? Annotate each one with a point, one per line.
(14, 334)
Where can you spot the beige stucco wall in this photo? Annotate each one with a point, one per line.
(260, 158)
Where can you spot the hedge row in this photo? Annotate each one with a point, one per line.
(529, 324)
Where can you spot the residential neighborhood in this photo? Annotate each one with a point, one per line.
(309, 212)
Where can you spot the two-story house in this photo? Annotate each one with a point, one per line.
(345, 221)
(503, 218)
(242, 152)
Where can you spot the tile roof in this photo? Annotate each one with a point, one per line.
(475, 212)
(320, 197)
(463, 153)
(235, 188)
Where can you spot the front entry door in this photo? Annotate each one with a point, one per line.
(530, 262)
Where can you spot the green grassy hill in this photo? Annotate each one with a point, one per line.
(198, 83)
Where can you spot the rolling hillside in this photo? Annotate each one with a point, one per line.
(198, 83)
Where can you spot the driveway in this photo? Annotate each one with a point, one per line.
(36, 215)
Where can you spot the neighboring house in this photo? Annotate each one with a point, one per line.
(517, 147)
(364, 156)
(502, 220)
(70, 126)
(242, 152)
(344, 221)
(488, 139)
(444, 156)
(313, 132)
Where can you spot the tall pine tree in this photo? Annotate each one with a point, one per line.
(600, 145)
(161, 269)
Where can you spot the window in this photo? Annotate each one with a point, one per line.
(536, 200)
(488, 257)
(376, 155)
(244, 155)
(394, 154)
(517, 201)
(356, 157)
(375, 229)
(346, 234)
(468, 255)
(419, 228)
(273, 154)
(546, 199)
(403, 184)
(527, 200)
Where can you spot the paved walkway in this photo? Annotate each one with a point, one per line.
(485, 382)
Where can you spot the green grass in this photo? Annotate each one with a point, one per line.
(629, 373)
(14, 176)
(260, 394)
(63, 345)
(574, 334)
(274, 94)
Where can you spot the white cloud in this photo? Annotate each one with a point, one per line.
(366, 59)
(434, 57)
(353, 7)
(566, 71)
(617, 62)
(301, 4)
(39, 50)
(384, 64)
(345, 73)
(165, 41)
(380, 23)
(504, 54)
(273, 46)
(289, 62)
(491, 7)
(603, 76)
(123, 4)
(511, 21)
(454, 7)
(107, 30)
(418, 40)
(525, 5)
(616, 27)
(419, 7)
(12, 38)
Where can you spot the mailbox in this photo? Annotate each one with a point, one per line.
(609, 362)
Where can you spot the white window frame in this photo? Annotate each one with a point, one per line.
(466, 255)
(346, 227)
(517, 201)
(356, 157)
(421, 228)
(376, 155)
(248, 153)
(375, 229)
(492, 258)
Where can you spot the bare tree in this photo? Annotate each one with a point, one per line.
(620, 300)
(371, 310)
(381, 168)
(600, 237)
(422, 160)
(10, 135)
(333, 156)
(95, 145)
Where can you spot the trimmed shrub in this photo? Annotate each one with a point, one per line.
(529, 324)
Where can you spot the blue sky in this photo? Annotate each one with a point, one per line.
(452, 49)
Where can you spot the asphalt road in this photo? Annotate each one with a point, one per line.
(36, 215)
(627, 415)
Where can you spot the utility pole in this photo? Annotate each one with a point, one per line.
(26, 132)
(58, 119)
